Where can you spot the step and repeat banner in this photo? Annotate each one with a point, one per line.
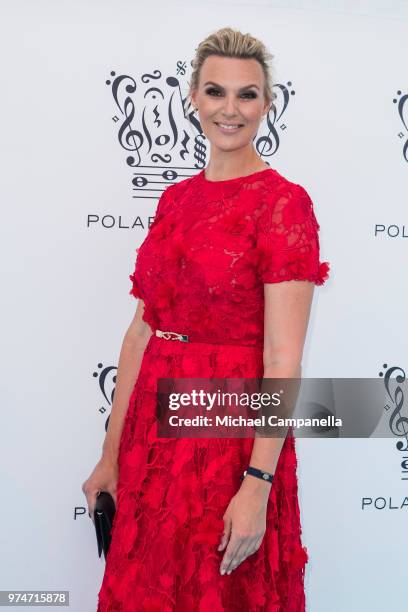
(95, 124)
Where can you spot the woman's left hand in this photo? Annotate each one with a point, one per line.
(244, 523)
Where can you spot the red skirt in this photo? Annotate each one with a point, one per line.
(171, 497)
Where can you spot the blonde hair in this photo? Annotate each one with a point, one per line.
(227, 42)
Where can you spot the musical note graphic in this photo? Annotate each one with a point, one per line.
(161, 131)
(402, 106)
(107, 382)
(398, 423)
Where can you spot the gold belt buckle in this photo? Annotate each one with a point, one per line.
(169, 335)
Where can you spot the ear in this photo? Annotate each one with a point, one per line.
(266, 107)
(193, 98)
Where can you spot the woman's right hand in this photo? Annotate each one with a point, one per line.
(103, 478)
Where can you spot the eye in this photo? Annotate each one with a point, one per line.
(212, 91)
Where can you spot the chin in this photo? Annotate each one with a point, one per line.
(223, 146)
(226, 143)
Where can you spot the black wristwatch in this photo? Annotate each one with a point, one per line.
(258, 473)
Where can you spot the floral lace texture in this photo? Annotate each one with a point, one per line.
(171, 497)
(212, 245)
(200, 271)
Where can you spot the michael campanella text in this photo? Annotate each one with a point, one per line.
(241, 421)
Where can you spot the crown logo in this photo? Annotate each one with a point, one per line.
(161, 131)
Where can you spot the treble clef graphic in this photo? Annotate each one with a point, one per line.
(131, 135)
(398, 423)
(402, 106)
(269, 144)
(129, 138)
(265, 145)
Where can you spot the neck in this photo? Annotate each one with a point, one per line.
(224, 165)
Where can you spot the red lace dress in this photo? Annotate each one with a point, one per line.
(200, 271)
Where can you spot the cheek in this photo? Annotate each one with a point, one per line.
(208, 106)
(253, 114)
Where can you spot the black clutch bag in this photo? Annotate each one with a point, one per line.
(103, 515)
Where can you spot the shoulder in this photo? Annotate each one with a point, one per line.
(168, 196)
(285, 204)
(278, 186)
(176, 189)
(173, 192)
(282, 195)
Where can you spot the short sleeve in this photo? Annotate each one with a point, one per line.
(288, 239)
(162, 206)
(135, 288)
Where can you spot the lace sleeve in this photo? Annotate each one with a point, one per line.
(162, 207)
(288, 240)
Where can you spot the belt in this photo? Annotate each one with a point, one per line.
(169, 335)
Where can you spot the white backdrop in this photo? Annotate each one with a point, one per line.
(66, 302)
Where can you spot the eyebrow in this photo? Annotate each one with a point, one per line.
(220, 86)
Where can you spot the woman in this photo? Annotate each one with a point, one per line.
(218, 265)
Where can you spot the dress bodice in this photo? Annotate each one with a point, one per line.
(213, 244)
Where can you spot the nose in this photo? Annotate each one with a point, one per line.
(229, 108)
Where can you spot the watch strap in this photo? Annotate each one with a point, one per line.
(258, 474)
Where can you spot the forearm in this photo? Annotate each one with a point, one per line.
(130, 360)
(266, 450)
